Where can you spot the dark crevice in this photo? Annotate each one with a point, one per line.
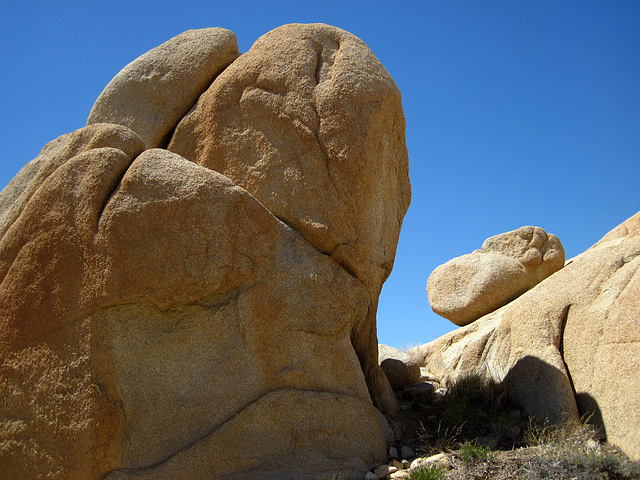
(563, 325)
(166, 140)
(318, 67)
(114, 188)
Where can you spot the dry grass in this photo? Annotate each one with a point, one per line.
(478, 412)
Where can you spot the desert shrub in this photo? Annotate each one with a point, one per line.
(573, 450)
(599, 465)
(428, 472)
(442, 439)
(472, 452)
(570, 437)
(476, 407)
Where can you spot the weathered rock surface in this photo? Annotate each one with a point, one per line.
(468, 287)
(570, 346)
(154, 92)
(311, 124)
(158, 320)
(401, 370)
(54, 420)
(182, 337)
(601, 341)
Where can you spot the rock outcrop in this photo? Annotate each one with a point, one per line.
(161, 317)
(468, 287)
(152, 93)
(309, 122)
(399, 367)
(568, 347)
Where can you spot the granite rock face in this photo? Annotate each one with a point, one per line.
(160, 317)
(152, 93)
(310, 123)
(569, 346)
(468, 287)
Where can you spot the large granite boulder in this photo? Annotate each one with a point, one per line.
(568, 347)
(468, 287)
(311, 124)
(159, 320)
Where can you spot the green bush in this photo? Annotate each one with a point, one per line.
(471, 452)
(428, 472)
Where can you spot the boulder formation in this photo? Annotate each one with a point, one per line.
(191, 313)
(399, 367)
(308, 122)
(152, 93)
(568, 347)
(468, 287)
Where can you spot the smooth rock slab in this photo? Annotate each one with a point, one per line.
(141, 325)
(207, 311)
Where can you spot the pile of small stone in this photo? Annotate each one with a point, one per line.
(398, 469)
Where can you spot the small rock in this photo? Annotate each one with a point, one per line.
(371, 476)
(397, 464)
(399, 475)
(406, 464)
(393, 452)
(439, 459)
(407, 452)
(421, 392)
(439, 396)
(384, 470)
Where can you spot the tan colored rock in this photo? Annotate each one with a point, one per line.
(601, 341)
(569, 346)
(152, 94)
(159, 319)
(399, 475)
(401, 370)
(311, 124)
(15, 196)
(150, 344)
(55, 422)
(383, 470)
(440, 459)
(468, 287)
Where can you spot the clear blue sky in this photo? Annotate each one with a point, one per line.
(518, 112)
